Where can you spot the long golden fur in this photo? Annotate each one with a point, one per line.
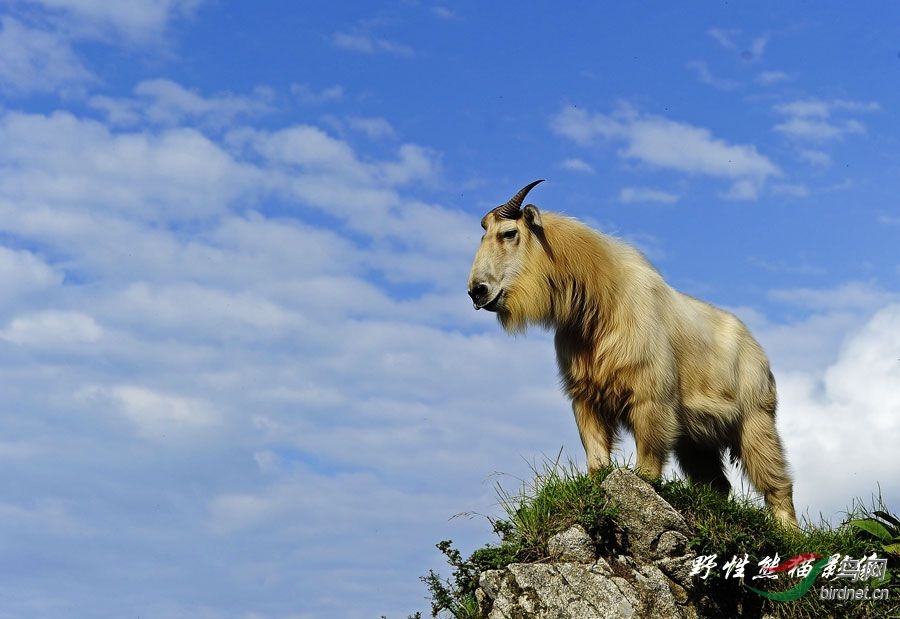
(680, 374)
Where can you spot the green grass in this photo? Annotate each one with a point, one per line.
(559, 496)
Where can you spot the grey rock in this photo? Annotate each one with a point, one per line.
(678, 569)
(573, 545)
(655, 592)
(602, 567)
(672, 544)
(643, 515)
(489, 585)
(490, 581)
(560, 591)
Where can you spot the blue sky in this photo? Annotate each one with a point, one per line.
(241, 376)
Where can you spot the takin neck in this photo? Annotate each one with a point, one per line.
(570, 282)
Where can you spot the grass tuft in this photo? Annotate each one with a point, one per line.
(558, 497)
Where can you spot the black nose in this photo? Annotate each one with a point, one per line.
(478, 292)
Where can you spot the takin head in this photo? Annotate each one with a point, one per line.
(513, 236)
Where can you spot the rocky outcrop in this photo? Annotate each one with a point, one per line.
(644, 571)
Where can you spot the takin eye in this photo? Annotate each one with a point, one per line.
(509, 235)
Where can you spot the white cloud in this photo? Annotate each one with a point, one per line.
(583, 128)
(33, 60)
(809, 343)
(22, 272)
(728, 39)
(577, 165)
(52, 329)
(119, 112)
(154, 415)
(374, 128)
(812, 120)
(756, 50)
(279, 247)
(306, 94)
(826, 417)
(201, 310)
(805, 108)
(745, 189)
(164, 102)
(724, 37)
(52, 515)
(668, 144)
(855, 106)
(798, 267)
(855, 295)
(332, 177)
(770, 78)
(701, 69)
(368, 44)
(314, 150)
(43, 59)
(818, 130)
(805, 345)
(232, 512)
(814, 157)
(413, 164)
(65, 161)
(629, 195)
(308, 147)
(868, 368)
(137, 20)
(444, 13)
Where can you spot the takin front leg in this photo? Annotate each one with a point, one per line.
(597, 436)
(655, 429)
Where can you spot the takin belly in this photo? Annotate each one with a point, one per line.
(709, 408)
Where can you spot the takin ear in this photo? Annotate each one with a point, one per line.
(532, 217)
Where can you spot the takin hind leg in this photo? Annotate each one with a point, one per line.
(702, 464)
(763, 459)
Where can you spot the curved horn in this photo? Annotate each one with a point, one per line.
(510, 210)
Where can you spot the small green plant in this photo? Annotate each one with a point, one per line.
(457, 596)
(883, 526)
